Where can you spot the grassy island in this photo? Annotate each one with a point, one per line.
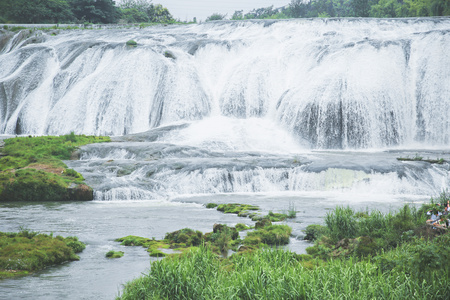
(356, 255)
(26, 252)
(31, 168)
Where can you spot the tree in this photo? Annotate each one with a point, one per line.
(35, 11)
(95, 11)
(215, 17)
(361, 8)
(238, 15)
(298, 8)
(144, 11)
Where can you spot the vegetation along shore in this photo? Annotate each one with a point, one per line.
(27, 251)
(31, 168)
(355, 255)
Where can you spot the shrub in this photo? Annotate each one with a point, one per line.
(313, 232)
(341, 223)
(272, 235)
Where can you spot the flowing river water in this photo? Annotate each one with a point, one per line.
(307, 114)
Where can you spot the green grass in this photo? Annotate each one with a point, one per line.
(212, 205)
(438, 161)
(242, 210)
(357, 255)
(270, 235)
(114, 254)
(278, 274)
(25, 252)
(32, 170)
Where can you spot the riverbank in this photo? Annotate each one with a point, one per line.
(32, 168)
(416, 265)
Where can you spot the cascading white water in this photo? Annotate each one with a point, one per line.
(240, 107)
(337, 83)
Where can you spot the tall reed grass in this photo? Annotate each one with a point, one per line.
(277, 274)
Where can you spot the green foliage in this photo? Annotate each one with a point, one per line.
(241, 227)
(138, 11)
(361, 234)
(74, 174)
(74, 243)
(420, 258)
(114, 254)
(36, 11)
(32, 169)
(242, 210)
(95, 11)
(27, 251)
(277, 274)
(32, 185)
(133, 240)
(341, 223)
(271, 235)
(276, 217)
(215, 17)
(185, 236)
(211, 205)
(263, 223)
(313, 232)
(131, 43)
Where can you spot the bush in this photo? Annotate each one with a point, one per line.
(272, 235)
(313, 232)
(341, 223)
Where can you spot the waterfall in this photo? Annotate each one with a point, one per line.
(329, 83)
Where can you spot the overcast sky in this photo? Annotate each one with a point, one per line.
(186, 10)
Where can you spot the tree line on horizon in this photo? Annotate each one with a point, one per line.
(83, 11)
(144, 11)
(345, 8)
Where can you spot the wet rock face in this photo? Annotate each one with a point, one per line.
(80, 192)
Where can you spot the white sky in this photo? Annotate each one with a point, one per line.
(186, 10)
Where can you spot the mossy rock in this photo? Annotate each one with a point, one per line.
(133, 240)
(276, 217)
(169, 54)
(131, 43)
(32, 169)
(211, 205)
(263, 223)
(235, 208)
(186, 236)
(156, 253)
(241, 227)
(27, 252)
(272, 235)
(114, 254)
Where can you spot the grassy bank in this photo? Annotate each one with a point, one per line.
(356, 255)
(31, 168)
(26, 252)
